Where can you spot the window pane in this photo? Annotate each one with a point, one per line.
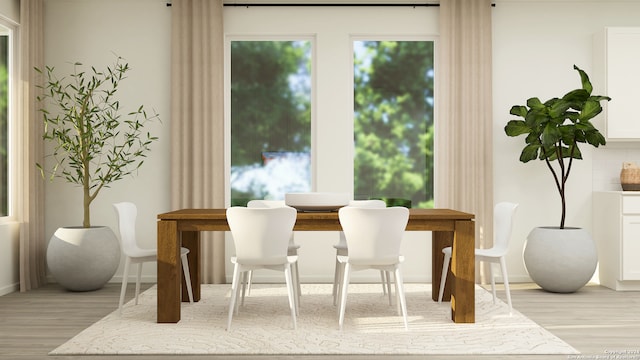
(270, 119)
(393, 121)
(4, 123)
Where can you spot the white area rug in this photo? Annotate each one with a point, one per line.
(263, 326)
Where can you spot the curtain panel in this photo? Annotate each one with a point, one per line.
(30, 187)
(464, 157)
(197, 119)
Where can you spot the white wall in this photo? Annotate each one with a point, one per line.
(535, 45)
(10, 9)
(9, 255)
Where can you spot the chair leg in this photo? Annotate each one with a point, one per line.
(248, 281)
(398, 303)
(344, 285)
(336, 282)
(138, 276)
(241, 279)
(387, 283)
(296, 273)
(125, 279)
(400, 292)
(503, 267)
(383, 280)
(234, 294)
(296, 287)
(291, 292)
(187, 277)
(493, 282)
(443, 278)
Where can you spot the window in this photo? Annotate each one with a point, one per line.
(393, 121)
(5, 120)
(336, 161)
(270, 119)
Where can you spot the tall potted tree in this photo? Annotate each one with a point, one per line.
(91, 145)
(559, 259)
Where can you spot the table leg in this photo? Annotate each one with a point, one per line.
(441, 239)
(463, 303)
(169, 272)
(191, 240)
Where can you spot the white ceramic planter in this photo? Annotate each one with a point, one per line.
(83, 259)
(560, 260)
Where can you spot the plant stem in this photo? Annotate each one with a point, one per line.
(84, 146)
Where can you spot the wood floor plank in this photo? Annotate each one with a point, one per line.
(595, 320)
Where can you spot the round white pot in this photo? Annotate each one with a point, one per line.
(560, 260)
(83, 259)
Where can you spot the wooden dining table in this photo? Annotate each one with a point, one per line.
(449, 228)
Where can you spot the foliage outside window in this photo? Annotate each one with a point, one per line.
(270, 119)
(4, 125)
(393, 120)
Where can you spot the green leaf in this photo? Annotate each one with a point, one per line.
(590, 109)
(530, 152)
(535, 103)
(586, 84)
(558, 108)
(550, 135)
(519, 110)
(516, 127)
(595, 138)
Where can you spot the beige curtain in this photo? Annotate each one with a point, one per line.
(30, 184)
(197, 136)
(30, 208)
(464, 179)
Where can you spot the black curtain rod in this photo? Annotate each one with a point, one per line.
(326, 4)
(329, 4)
(339, 4)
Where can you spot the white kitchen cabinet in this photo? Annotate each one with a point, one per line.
(616, 73)
(616, 230)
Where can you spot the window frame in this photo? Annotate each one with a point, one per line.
(227, 100)
(13, 131)
(407, 37)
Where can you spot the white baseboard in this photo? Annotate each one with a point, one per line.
(9, 289)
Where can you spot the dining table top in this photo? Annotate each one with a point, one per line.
(434, 214)
(216, 219)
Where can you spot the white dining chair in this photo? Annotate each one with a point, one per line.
(502, 225)
(292, 249)
(341, 250)
(373, 237)
(261, 237)
(127, 213)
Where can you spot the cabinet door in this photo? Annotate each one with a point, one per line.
(630, 247)
(622, 75)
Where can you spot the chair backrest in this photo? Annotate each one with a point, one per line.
(503, 224)
(373, 235)
(266, 203)
(373, 204)
(261, 235)
(126, 213)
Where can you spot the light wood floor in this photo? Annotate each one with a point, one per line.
(600, 323)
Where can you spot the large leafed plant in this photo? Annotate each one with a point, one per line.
(93, 143)
(554, 129)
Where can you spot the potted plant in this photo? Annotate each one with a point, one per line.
(92, 145)
(559, 259)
